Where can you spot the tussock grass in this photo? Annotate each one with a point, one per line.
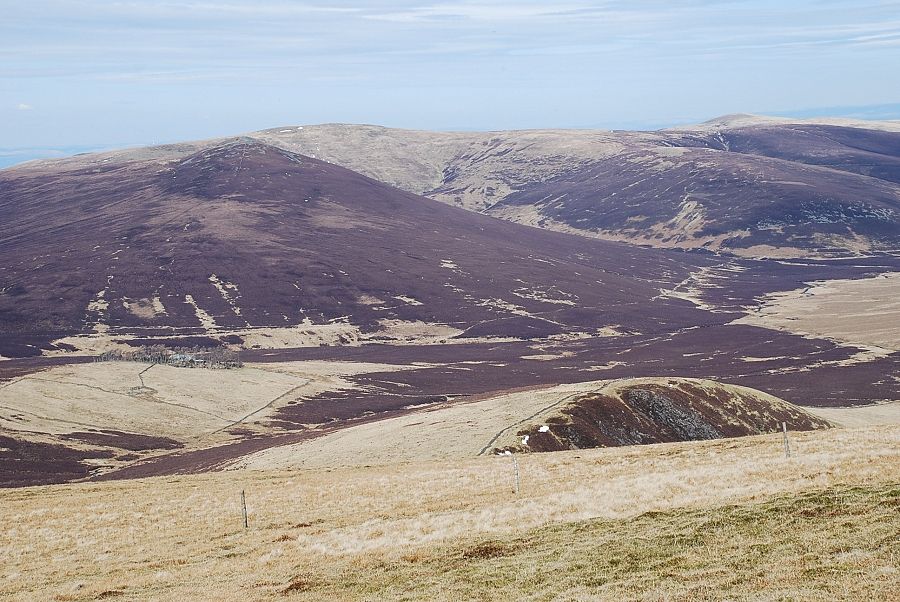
(726, 519)
(838, 543)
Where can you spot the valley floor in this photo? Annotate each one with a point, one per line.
(723, 519)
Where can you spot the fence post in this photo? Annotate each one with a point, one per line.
(244, 509)
(516, 467)
(787, 445)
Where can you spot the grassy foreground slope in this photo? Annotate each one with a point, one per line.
(724, 519)
(838, 543)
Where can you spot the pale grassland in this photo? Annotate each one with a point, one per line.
(416, 160)
(467, 429)
(869, 415)
(837, 544)
(181, 403)
(458, 430)
(858, 312)
(453, 530)
(305, 334)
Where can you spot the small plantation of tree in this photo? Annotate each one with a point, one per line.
(214, 358)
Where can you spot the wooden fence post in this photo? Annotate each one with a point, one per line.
(244, 509)
(516, 467)
(787, 445)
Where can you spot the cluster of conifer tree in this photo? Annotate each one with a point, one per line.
(185, 357)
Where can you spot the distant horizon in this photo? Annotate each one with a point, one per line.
(12, 156)
(90, 74)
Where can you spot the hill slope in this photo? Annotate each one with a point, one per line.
(743, 185)
(573, 416)
(740, 184)
(241, 236)
(657, 410)
(293, 259)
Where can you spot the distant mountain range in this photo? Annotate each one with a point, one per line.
(273, 229)
(741, 184)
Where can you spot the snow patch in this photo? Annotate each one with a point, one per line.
(497, 303)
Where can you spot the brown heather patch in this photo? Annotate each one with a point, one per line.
(489, 549)
(299, 584)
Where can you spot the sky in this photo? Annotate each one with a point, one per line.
(99, 74)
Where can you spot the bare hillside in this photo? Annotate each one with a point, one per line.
(741, 184)
(574, 416)
(700, 521)
(286, 258)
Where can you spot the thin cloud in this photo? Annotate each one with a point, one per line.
(491, 12)
(418, 63)
(24, 107)
(187, 7)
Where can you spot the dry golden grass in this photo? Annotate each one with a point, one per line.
(858, 312)
(857, 416)
(456, 430)
(454, 530)
(181, 403)
(468, 429)
(834, 544)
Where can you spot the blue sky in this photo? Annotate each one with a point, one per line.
(93, 74)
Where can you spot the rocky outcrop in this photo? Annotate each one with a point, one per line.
(660, 410)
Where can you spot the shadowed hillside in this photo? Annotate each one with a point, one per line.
(742, 184)
(243, 236)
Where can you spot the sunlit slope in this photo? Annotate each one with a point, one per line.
(731, 518)
(574, 416)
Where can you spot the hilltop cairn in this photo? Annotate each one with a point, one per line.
(214, 358)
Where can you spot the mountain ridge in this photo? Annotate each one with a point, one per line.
(244, 234)
(744, 185)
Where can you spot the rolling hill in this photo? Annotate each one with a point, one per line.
(353, 301)
(743, 185)
(621, 412)
(243, 241)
